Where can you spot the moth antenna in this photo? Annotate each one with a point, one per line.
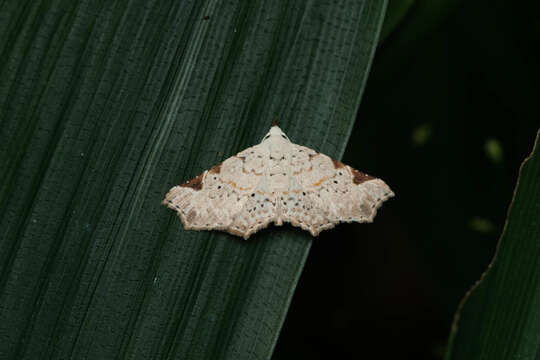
(274, 123)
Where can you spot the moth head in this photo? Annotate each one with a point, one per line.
(275, 133)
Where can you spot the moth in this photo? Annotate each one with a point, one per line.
(277, 181)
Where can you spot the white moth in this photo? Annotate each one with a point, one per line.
(277, 181)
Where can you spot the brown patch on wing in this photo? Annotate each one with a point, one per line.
(311, 156)
(195, 183)
(216, 169)
(191, 216)
(338, 164)
(360, 177)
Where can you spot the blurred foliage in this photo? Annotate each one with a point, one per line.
(421, 134)
(493, 150)
(395, 13)
(390, 289)
(500, 317)
(481, 224)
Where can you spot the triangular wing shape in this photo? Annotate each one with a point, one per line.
(277, 181)
(230, 196)
(329, 192)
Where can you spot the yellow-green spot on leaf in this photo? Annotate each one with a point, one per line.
(481, 224)
(493, 150)
(421, 134)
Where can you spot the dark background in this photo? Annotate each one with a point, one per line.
(449, 113)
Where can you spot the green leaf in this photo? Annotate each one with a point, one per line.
(500, 317)
(106, 105)
(395, 13)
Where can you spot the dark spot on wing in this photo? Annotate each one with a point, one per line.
(195, 183)
(337, 164)
(216, 169)
(191, 216)
(359, 177)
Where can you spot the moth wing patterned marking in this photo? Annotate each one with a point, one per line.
(334, 193)
(226, 197)
(259, 208)
(287, 183)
